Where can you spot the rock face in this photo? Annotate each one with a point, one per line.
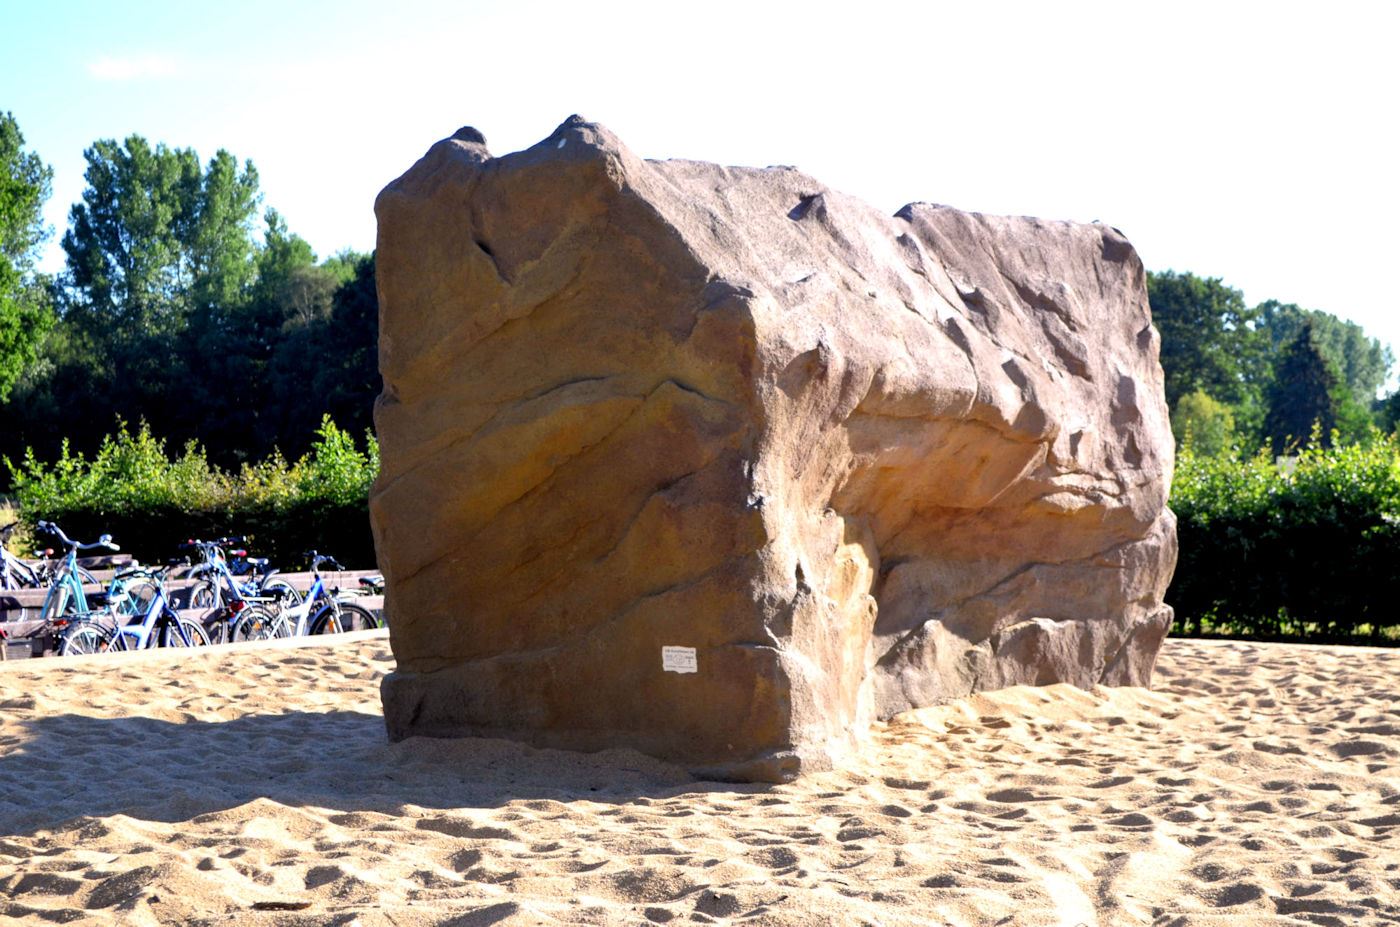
(720, 464)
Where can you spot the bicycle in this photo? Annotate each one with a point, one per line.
(16, 573)
(215, 566)
(161, 626)
(127, 594)
(241, 612)
(67, 604)
(322, 611)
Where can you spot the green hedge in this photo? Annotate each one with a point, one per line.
(150, 501)
(1308, 548)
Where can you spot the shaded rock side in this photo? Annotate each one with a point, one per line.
(858, 463)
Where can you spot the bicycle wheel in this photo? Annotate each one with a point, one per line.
(86, 578)
(259, 624)
(132, 595)
(205, 594)
(281, 590)
(356, 618)
(326, 621)
(190, 634)
(84, 637)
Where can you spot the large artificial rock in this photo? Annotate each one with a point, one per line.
(859, 463)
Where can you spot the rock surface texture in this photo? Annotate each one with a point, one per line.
(849, 463)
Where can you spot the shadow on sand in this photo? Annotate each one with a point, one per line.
(58, 768)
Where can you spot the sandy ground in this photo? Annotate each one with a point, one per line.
(1258, 784)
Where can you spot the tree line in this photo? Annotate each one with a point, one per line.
(187, 305)
(183, 303)
(1273, 375)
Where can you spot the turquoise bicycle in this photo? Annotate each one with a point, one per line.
(127, 596)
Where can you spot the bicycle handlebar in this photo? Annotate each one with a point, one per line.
(105, 540)
(318, 559)
(192, 543)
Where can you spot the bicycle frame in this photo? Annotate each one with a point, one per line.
(290, 620)
(301, 619)
(139, 636)
(232, 603)
(298, 617)
(16, 574)
(66, 586)
(66, 599)
(236, 591)
(216, 569)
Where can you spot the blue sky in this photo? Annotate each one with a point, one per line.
(1252, 142)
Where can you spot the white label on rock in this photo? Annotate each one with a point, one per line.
(679, 660)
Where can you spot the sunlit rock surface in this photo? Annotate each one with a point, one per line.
(842, 463)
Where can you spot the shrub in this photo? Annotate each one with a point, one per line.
(150, 501)
(1304, 546)
(1205, 424)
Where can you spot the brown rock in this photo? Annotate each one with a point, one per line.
(858, 463)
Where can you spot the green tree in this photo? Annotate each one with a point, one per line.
(161, 259)
(1204, 424)
(332, 355)
(173, 312)
(290, 287)
(1209, 339)
(1387, 412)
(1363, 363)
(25, 310)
(292, 302)
(1303, 398)
(157, 238)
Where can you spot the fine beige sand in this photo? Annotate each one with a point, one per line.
(1258, 784)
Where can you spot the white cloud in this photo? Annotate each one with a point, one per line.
(110, 67)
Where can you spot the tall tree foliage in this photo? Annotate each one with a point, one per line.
(25, 314)
(1205, 424)
(160, 263)
(174, 311)
(329, 347)
(1303, 396)
(1209, 340)
(1362, 362)
(1388, 412)
(1216, 348)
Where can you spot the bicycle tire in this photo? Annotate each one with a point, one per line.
(325, 621)
(190, 634)
(357, 618)
(257, 623)
(84, 637)
(86, 578)
(140, 591)
(205, 594)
